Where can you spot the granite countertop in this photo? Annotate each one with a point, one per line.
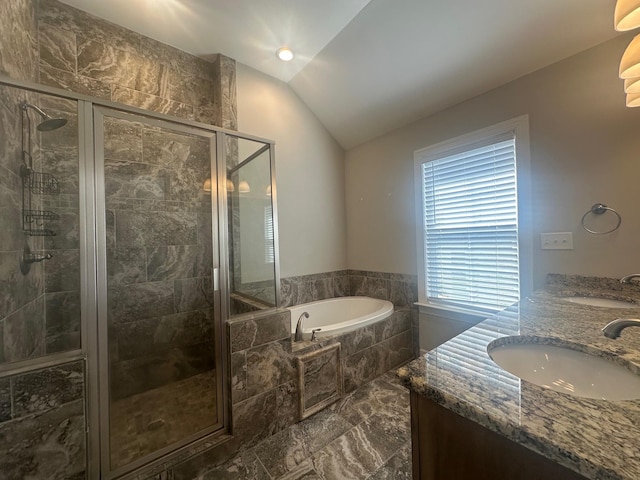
(596, 438)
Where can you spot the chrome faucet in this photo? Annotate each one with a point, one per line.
(298, 336)
(627, 278)
(613, 329)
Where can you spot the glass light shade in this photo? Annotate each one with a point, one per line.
(244, 187)
(230, 186)
(627, 15)
(630, 63)
(268, 191)
(207, 185)
(285, 54)
(632, 85)
(633, 99)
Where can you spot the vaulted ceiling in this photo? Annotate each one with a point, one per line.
(366, 67)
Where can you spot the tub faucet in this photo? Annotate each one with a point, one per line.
(613, 329)
(298, 336)
(627, 278)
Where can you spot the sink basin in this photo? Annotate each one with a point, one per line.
(567, 370)
(601, 302)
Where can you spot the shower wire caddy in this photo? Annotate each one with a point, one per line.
(35, 183)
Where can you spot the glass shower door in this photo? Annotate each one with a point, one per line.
(160, 365)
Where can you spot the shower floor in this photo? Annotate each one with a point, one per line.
(149, 421)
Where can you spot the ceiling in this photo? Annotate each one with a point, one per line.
(366, 67)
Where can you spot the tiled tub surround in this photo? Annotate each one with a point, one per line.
(264, 371)
(42, 424)
(399, 289)
(594, 438)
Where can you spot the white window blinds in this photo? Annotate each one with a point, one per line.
(470, 222)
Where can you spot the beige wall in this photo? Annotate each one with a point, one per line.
(309, 174)
(585, 148)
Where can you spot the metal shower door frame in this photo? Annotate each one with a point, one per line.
(99, 113)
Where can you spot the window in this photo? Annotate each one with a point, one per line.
(469, 226)
(269, 239)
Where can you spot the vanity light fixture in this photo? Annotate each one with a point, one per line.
(244, 187)
(230, 186)
(630, 63)
(207, 185)
(285, 54)
(627, 15)
(633, 99)
(267, 192)
(632, 85)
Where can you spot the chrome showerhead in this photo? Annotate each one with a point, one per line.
(48, 123)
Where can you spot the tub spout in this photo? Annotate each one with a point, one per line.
(298, 336)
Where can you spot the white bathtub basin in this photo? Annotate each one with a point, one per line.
(566, 370)
(335, 316)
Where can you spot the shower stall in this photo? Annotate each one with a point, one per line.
(128, 238)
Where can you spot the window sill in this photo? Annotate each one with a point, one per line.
(459, 314)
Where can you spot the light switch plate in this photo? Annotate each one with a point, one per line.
(556, 241)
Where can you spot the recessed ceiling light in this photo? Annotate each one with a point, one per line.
(285, 54)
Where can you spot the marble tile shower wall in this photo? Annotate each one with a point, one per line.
(85, 54)
(159, 253)
(42, 427)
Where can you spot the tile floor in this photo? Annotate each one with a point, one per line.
(364, 436)
(149, 421)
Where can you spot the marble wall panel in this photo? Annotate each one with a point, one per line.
(46, 389)
(155, 335)
(153, 103)
(193, 293)
(10, 145)
(16, 289)
(179, 261)
(18, 55)
(136, 180)
(126, 266)
(256, 330)
(57, 47)
(24, 332)
(63, 139)
(53, 77)
(144, 229)
(238, 370)
(140, 374)
(5, 399)
(11, 237)
(398, 322)
(287, 404)
(49, 445)
(64, 166)
(67, 228)
(63, 315)
(139, 301)
(102, 61)
(122, 140)
(191, 89)
(320, 379)
(252, 428)
(226, 73)
(63, 271)
(87, 26)
(269, 366)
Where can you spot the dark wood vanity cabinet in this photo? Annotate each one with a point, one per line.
(447, 446)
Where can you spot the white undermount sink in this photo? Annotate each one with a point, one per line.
(601, 302)
(566, 370)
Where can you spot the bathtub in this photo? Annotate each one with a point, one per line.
(339, 315)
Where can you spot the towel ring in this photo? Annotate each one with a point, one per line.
(599, 209)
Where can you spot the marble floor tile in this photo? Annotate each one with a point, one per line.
(365, 436)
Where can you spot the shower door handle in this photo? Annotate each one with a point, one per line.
(216, 279)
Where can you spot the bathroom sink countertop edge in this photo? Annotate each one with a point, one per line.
(595, 438)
